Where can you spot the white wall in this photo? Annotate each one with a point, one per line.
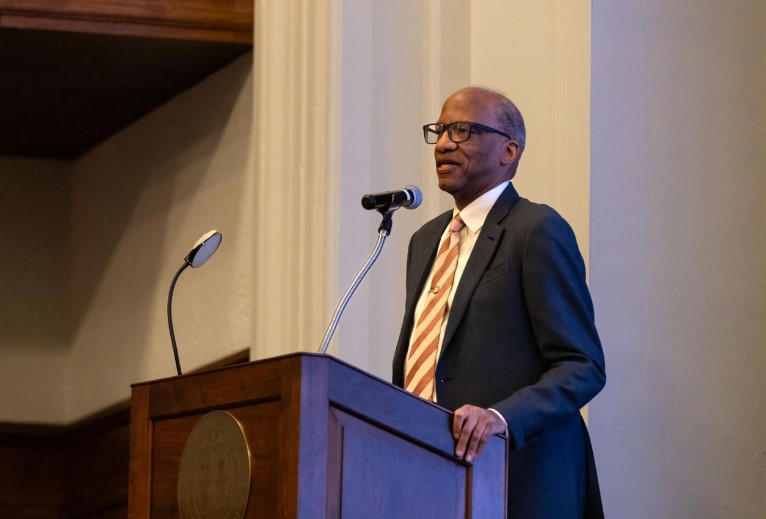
(678, 240)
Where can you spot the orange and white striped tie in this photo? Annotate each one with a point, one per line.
(420, 367)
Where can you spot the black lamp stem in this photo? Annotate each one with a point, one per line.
(170, 315)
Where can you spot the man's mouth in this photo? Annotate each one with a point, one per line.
(444, 165)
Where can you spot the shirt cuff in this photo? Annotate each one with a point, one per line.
(501, 417)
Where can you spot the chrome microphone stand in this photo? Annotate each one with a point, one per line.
(382, 234)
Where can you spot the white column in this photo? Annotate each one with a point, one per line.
(296, 49)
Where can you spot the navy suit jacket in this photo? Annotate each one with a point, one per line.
(521, 339)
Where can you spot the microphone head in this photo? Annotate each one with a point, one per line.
(369, 202)
(417, 196)
(204, 249)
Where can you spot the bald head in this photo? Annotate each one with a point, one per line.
(486, 153)
(507, 116)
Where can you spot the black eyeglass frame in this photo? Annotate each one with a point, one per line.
(429, 129)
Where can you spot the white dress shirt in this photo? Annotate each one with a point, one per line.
(474, 216)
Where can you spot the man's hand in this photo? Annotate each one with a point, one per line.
(471, 428)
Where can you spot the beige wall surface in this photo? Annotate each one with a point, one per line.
(678, 241)
(97, 241)
(35, 266)
(538, 53)
(139, 203)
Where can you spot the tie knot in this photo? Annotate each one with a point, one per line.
(456, 224)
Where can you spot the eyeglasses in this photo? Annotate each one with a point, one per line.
(457, 132)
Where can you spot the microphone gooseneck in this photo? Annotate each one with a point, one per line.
(382, 233)
(198, 255)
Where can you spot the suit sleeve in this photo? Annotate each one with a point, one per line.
(561, 315)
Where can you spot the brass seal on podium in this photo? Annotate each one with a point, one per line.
(214, 476)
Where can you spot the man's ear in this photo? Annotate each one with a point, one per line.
(512, 152)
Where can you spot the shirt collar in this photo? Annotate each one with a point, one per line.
(475, 213)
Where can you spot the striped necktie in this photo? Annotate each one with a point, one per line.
(420, 368)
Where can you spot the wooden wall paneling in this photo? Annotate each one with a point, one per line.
(96, 477)
(74, 472)
(32, 465)
(211, 20)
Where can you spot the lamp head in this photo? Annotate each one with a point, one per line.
(204, 249)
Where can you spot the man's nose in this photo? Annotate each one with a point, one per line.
(444, 142)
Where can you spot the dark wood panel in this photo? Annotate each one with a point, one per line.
(212, 20)
(96, 475)
(73, 472)
(179, 395)
(32, 466)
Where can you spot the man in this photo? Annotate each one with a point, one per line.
(498, 322)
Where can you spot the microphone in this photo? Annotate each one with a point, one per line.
(409, 197)
(198, 255)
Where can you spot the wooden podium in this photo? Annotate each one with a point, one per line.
(325, 439)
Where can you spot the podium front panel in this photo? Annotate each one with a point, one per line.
(386, 475)
(261, 423)
(325, 440)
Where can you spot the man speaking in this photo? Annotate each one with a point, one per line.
(498, 323)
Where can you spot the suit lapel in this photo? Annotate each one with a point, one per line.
(482, 254)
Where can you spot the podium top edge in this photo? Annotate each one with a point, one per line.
(278, 358)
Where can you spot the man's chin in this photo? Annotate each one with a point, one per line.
(447, 182)
(445, 185)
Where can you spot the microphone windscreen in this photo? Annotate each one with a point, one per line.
(417, 196)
